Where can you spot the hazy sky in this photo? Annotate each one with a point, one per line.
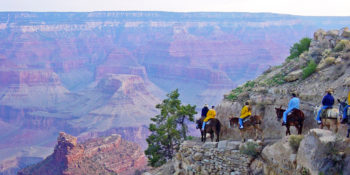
(297, 7)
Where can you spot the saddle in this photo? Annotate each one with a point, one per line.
(324, 113)
(246, 119)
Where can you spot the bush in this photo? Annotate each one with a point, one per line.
(329, 60)
(234, 94)
(341, 45)
(277, 79)
(309, 69)
(250, 149)
(294, 141)
(299, 48)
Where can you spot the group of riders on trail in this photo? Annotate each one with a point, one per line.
(294, 103)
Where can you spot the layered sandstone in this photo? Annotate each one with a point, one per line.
(108, 155)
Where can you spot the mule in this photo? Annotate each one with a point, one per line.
(329, 118)
(253, 123)
(211, 127)
(342, 105)
(296, 119)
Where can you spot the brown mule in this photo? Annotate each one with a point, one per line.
(253, 123)
(212, 126)
(296, 119)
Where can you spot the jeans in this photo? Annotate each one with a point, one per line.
(203, 126)
(285, 113)
(345, 116)
(319, 112)
(240, 122)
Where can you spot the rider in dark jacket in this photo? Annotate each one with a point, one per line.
(327, 102)
(205, 110)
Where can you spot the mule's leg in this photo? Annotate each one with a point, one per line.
(288, 128)
(242, 136)
(212, 136)
(348, 131)
(336, 126)
(261, 133)
(205, 136)
(217, 135)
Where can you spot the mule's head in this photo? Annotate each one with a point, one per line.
(279, 113)
(233, 121)
(342, 105)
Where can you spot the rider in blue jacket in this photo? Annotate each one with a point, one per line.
(327, 102)
(293, 104)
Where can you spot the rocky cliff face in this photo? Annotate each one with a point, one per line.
(273, 88)
(108, 155)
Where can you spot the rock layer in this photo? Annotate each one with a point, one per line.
(108, 155)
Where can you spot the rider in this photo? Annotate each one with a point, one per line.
(211, 114)
(205, 110)
(293, 104)
(327, 102)
(345, 116)
(245, 112)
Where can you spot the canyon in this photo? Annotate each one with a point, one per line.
(101, 73)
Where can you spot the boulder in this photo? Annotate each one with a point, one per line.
(295, 75)
(278, 158)
(315, 149)
(346, 33)
(319, 35)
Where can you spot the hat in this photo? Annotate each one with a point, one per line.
(330, 90)
(206, 105)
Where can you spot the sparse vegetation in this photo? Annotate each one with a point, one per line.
(299, 48)
(294, 141)
(309, 69)
(342, 45)
(234, 93)
(250, 149)
(277, 79)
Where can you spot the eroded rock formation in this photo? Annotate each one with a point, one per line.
(107, 155)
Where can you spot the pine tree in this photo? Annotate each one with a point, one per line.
(168, 129)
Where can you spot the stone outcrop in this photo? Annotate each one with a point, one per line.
(320, 152)
(108, 155)
(222, 157)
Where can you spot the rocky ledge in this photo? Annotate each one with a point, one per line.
(318, 152)
(107, 155)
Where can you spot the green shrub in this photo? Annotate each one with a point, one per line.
(277, 79)
(341, 45)
(299, 48)
(309, 69)
(294, 141)
(249, 84)
(189, 138)
(234, 93)
(250, 149)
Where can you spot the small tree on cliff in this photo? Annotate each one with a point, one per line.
(168, 129)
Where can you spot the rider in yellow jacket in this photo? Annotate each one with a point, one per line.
(210, 115)
(245, 112)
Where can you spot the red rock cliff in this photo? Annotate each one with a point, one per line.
(107, 155)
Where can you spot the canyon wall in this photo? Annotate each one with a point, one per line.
(93, 74)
